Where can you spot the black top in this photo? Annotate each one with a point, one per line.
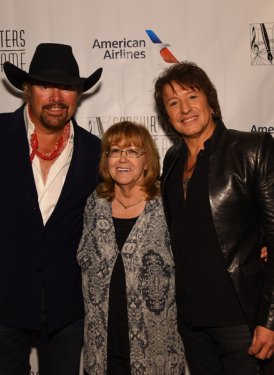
(205, 293)
(118, 358)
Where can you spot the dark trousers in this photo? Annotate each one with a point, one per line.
(58, 353)
(219, 351)
(269, 367)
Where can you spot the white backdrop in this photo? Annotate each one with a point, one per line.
(232, 40)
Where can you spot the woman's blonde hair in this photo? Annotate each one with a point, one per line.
(129, 134)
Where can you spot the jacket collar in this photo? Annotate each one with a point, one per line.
(175, 151)
(218, 132)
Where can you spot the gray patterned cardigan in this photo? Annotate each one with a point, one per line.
(155, 345)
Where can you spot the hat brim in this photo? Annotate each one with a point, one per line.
(17, 77)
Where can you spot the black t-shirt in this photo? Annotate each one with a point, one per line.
(118, 354)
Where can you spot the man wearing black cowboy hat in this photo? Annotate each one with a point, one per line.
(48, 169)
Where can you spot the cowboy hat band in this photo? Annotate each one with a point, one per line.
(51, 63)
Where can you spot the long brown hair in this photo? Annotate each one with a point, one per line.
(130, 134)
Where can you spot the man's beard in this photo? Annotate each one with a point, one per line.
(51, 121)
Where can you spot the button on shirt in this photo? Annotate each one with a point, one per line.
(49, 192)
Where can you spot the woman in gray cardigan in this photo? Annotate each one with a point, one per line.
(127, 264)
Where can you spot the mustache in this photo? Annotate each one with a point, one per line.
(55, 105)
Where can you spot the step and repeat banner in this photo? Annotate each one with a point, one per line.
(133, 41)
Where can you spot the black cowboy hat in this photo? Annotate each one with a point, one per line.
(51, 63)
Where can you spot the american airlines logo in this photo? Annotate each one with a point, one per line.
(164, 51)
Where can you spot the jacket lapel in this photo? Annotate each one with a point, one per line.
(16, 140)
(77, 172)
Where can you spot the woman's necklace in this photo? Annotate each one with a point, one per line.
(56, 151)
(126, 206)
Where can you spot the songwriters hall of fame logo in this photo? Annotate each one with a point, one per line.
(12, 48)
(262, 43)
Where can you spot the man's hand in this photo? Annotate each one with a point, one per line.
(262, 346)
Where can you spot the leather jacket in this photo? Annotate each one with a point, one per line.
(241, 195)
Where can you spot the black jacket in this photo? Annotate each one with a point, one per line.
(34, 256)
(241, 195)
